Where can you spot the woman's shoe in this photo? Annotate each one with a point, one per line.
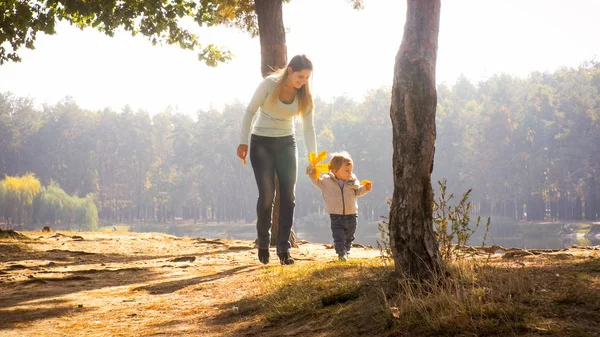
(263, 255)
(286, 258)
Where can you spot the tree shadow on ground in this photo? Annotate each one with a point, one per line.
(253, 317)
(12, 318)
(172, 286)
(12, 252)
(35, 287)
(563, 294)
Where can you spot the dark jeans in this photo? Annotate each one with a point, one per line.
(343, 228)
(271, 155)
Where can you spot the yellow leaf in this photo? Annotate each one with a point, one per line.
(314, 160)
(244, 161)
(322, 156)
(321, 168)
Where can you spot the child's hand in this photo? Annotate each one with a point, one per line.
(310, 170)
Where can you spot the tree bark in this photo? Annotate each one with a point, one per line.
(273, 48)
(273, 56)
(413, 107)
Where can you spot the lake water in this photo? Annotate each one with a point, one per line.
(540, 242)
(368, 234)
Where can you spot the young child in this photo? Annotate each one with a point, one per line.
(340, 190)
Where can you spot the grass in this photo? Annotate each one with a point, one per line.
(320, 297)
(582, 229)
(498, 298)
(226, 292)
(556, 228)
(307, 288)
(11, 234)
(486, 301)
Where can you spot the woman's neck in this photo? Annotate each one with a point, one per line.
(287, 87)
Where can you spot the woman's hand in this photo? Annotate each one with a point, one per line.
(310, 170)
(242, 151)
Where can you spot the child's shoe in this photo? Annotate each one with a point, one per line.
(343, 257)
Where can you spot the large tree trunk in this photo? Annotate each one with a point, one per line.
(414, 98)
(273, 55)
(273, 49)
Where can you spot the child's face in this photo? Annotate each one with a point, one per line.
(344, 173)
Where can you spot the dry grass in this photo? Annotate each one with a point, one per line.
(124, 284)
(543, 295)
(11, 234)
(308, 288)
(321, 298)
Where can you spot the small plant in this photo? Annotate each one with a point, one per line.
(451, 223)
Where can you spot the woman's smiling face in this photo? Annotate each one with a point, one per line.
(298, 78)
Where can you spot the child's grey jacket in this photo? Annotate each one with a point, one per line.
(339, 200)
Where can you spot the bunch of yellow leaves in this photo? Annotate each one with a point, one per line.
(314, 160)
(366, 183)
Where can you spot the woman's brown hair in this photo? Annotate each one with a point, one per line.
(305, 100)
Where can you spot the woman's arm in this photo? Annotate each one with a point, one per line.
(310, 137)
(259, 97)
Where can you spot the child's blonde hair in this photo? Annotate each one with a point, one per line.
(338, 160)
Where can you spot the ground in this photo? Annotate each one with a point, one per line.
(111, 284)
(150, 284)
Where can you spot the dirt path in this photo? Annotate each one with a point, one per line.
(125, 284)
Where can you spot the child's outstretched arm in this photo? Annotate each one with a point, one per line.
(365, 187)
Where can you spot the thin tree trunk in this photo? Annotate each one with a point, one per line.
(273, 55)
(577, 209)
(414, 98)
(590, 200)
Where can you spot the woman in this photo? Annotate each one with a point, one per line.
(281, 97)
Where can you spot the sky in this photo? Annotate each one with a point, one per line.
(352, 52)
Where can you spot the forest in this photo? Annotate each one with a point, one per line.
(528, 147)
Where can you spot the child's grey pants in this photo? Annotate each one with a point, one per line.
(343, 228)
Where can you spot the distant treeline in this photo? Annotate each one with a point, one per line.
(23, 200)
(526, 146)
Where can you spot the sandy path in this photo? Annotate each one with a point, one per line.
(124, 284)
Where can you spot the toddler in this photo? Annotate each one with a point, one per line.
(340, 190)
